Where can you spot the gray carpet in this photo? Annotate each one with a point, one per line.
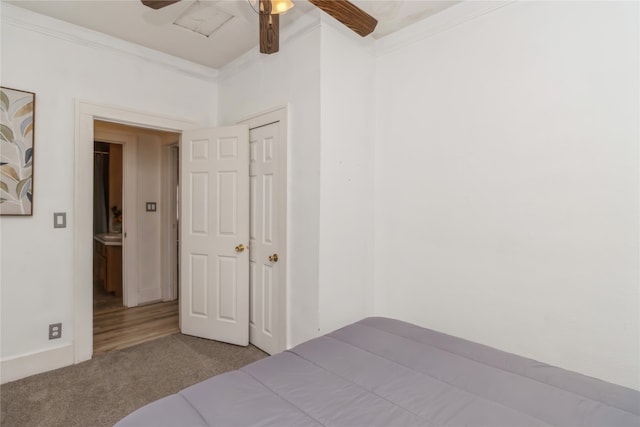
(103, 390)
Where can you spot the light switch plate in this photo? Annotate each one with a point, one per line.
(59, 220)
(151, 206)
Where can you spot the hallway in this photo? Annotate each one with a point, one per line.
(116, 326)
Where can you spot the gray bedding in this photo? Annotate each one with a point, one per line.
(384, 372)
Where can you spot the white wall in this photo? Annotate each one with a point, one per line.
(255, 83)
(62, 63)
(507, 183)
(144, 180)
(346, 178)
(149, 232)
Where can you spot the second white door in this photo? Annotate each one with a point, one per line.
(266, 262)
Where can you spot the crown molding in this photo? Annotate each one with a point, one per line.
(454, 16)
(51, 27)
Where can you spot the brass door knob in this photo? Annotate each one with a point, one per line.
(240, 248)
(273, 258)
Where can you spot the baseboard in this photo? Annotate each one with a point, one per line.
(149, 295)
(23, 366)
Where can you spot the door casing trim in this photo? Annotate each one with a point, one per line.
(86, 113)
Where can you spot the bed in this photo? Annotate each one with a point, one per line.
(384, 372)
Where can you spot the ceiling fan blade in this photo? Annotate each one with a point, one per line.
(158, 4)
(349, 14)
(269, 29)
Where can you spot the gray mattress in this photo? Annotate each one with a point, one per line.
(384, 372)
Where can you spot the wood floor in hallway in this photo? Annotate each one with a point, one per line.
(116, 327)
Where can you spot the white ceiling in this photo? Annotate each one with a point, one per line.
(132, 21)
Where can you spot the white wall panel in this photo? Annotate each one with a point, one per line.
(149, 178)
(346, 208)
(507, 183)
(37, 279)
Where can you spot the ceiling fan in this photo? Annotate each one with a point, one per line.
(344, 11)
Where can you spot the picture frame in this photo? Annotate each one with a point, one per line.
(17, 129)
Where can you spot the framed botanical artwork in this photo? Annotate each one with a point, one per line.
(17, 121)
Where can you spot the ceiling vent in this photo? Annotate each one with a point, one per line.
(202, 19)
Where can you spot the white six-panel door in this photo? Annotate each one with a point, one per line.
(214, 258)
(266, 260)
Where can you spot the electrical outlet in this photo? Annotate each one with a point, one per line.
(55, 331)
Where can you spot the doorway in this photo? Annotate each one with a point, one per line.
(134, 291)
(87, 113)
(82, 218)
